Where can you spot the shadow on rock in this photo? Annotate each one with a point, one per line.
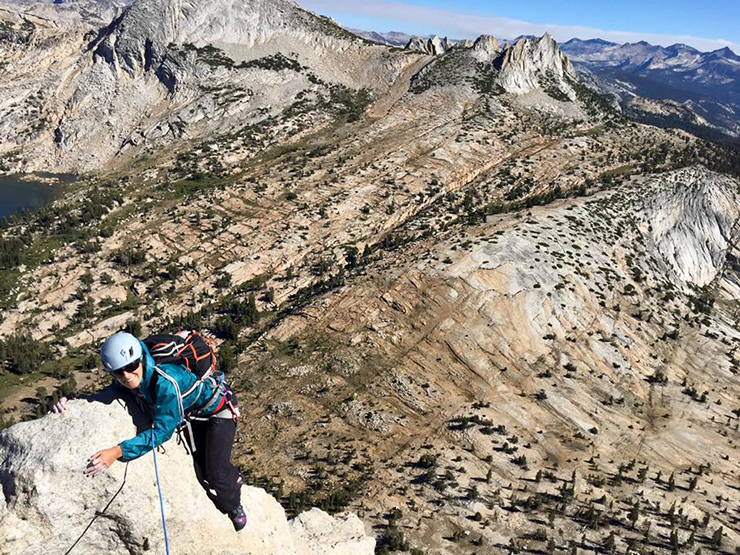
(140, 415)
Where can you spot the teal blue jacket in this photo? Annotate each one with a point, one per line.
(160, 395)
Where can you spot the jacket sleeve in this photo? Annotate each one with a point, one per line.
(165, 421)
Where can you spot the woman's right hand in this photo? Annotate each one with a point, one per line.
(60, 406)
(102, 460)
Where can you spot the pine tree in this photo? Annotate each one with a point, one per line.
(610, 543)
(642, 474)
(717, 538)
(634, 514)
(675, 545)
(473, 492)
(693, 482)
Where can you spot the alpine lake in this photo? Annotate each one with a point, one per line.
(30, 191)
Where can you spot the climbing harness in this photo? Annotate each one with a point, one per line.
(235, 413)
(218, 397)
(219, 394)
(125, 472)
(161, 500)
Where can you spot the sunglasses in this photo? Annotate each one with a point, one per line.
(129, 368)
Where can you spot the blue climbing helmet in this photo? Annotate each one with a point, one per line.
(119, 350)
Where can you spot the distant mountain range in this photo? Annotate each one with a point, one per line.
(393, 38)
(673, 86)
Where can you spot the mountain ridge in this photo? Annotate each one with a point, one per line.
(623, 71)
(483, 320)
(149, 82)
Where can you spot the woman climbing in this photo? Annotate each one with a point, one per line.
(174, 396)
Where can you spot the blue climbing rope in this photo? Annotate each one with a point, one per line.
(161, 501)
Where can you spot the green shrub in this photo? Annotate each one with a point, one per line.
(391, 540)
(22, 354)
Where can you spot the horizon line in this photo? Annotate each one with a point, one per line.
(467, 26)
(519, 37)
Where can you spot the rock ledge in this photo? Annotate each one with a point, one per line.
(48, 501)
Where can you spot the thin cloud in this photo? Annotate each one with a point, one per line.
(460, 25)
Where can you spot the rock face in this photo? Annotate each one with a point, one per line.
(434, 46)
(486, 48)
(48, 501)
(536, 63)
(694, 217)
(139, 40)
(98, 12)
(163, 70)
(557, 322)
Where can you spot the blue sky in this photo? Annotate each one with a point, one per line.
(705, 25)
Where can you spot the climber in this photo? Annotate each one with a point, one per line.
(175, 396)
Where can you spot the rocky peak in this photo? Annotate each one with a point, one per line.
(680, 47)
(434, 46)
(487, 43)
(48, 500)
(485, 48)
(535, 63)
(142, 34)
(441, 45)
(529, 65)
(160, 66)
(724, 53)
(418, 44)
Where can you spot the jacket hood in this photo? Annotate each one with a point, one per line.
(148, 366)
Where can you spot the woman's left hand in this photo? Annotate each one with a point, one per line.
(102, 460)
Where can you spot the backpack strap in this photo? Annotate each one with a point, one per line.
(173, 381)
(219, 390)
(167, 349)
(183, 420)
(196, 385)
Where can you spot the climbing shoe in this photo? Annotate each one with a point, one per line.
(238, 518)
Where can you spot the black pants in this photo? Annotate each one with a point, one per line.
(213, 440)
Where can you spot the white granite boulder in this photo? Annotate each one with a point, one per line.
(47, 500)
